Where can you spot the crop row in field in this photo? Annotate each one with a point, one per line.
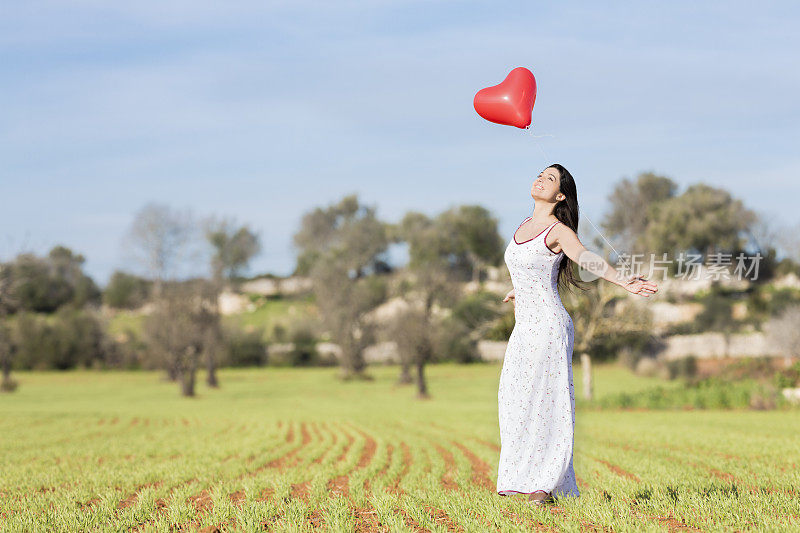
(293, 456)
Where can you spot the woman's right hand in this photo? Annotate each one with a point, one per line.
(510, 296)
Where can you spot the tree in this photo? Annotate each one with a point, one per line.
(410, 331)
(8, 346)
(126, 291)
(631, 208)
(703, 218)
(233, 248)
(68, 266)
(765, 232)
(346, 225)
(340, 246)
(37, 289)
(789, 240)
(432, 253)
(717, 314)
(44, 284)
(181, 327)
(596, 318)
(160, 238)
(475, 235)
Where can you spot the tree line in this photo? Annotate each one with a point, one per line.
(57, 322)
(343, 247)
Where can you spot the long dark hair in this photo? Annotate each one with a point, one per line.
(567, 212)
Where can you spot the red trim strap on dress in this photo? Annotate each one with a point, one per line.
(545, 239)
(529, 240)
(520, 225)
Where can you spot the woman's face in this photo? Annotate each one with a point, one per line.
(547, 186)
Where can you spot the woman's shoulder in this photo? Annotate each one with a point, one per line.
(559, 227)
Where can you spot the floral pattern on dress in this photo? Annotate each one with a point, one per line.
(536, 396)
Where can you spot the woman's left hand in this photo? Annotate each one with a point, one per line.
(636, 284)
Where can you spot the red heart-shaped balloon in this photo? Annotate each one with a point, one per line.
(510, 102)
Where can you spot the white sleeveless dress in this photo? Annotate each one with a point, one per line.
(536, 396)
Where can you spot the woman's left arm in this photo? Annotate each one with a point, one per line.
(594, 263)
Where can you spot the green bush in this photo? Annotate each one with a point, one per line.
(709, 393)
(759, 368)
(750, 382)
(717, 313)
(279, 333)
(502, 328)
(132, 352)
(452, 342)
(303, 335)
(767, 301)
(788, 378)
(305, 347)
(608, 345)
(126, 291)
(684, 367)
(244, 349)
(781, 299)
(68, 339)
(476, 309)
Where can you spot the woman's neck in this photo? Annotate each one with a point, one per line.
(543, 211)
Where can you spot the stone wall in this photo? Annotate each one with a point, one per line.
(702, 346)
(231, 303)
(275, 286)
(712, 344)
(492, 350)
(666, 313)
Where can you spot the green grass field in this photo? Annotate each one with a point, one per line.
(294, 450)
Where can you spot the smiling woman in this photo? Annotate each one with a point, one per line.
(555, 200)
(536, 395)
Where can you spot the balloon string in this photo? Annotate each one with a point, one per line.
(528, 127)
(584, 215)
(540, 147)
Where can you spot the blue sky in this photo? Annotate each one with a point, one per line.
(264, 110)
